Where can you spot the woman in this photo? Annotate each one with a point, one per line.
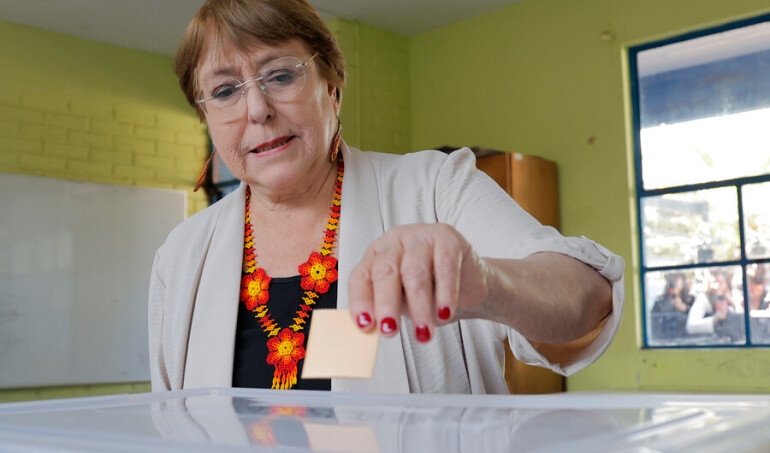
(675, 297)
(422, 247)
(711, 308)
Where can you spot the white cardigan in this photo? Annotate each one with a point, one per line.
(195, 280)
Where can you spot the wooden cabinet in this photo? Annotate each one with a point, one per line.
(532, 182)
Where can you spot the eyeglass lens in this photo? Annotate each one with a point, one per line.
(280, 79)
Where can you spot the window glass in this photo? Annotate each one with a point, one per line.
(691, 227)
(669, 298)
(756, 215)
(711, 149)
(695, 307)
(701, 106)
(758, 276)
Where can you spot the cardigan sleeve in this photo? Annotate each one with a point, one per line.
(158, 374)
(498, 227)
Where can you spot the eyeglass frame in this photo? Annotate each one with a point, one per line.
(262, 88)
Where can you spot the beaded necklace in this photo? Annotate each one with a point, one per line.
(286, 345)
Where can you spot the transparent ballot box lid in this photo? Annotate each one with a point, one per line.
(299, 421)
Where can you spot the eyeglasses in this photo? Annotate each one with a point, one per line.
(280, 79)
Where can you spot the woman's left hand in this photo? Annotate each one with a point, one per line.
(427, 271)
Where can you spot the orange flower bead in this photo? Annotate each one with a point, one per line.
(318, 273)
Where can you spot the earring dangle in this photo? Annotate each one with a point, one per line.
(205, 170)
(336, 142)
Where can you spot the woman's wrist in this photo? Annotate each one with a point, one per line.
(500, 291)
(526, 295)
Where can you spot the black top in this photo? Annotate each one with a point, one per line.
(250, 368)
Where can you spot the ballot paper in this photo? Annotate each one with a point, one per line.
(337, 348)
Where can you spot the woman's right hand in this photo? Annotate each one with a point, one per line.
(428, 272)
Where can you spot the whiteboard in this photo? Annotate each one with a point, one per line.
(75, 261)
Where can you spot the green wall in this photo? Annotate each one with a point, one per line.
(83, 110)
(376, 99)
(548, 77)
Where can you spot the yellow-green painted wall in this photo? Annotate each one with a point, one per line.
(82, 110)
(376, 102)
(546, 77)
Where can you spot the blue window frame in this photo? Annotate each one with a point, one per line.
(701, 105)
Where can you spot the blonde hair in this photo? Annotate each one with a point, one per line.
(249, 22)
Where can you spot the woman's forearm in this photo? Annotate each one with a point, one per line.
(547, 297)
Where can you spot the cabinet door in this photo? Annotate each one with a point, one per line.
(533, 183)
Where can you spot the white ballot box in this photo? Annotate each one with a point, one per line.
(297, 421)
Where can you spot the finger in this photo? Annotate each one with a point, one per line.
(417, 281)
(386, 283)
(447, 261)
(361, 294)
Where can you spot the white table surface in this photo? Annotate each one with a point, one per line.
(293, 421)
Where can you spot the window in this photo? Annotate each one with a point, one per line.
(701, 107)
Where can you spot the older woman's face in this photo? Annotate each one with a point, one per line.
(278, 145)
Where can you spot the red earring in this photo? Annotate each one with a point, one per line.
(336, 142)
(205, 169)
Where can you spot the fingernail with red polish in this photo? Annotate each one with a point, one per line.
(364, 320)
(422, 332)
(388, 325)
(444, 313)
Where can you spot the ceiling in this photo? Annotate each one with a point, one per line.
(157, 25)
